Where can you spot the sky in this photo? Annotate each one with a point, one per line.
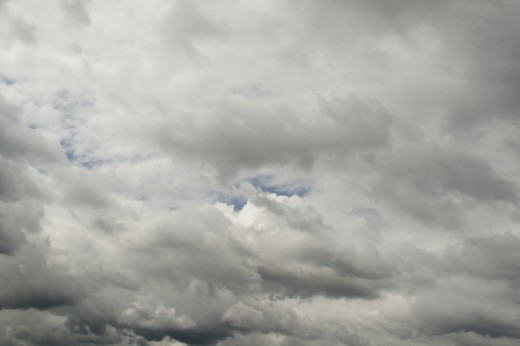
(271, 172)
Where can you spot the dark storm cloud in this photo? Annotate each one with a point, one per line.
(306, 282)
(489, 318)
(11, 241)
(473, 339)
(481, 326)
(27, 282)
(192, 337)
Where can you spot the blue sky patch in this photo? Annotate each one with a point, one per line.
(82, 159)
(238, 202)
(42, 171)
(266, 184)
(6, 81)
(69, 151)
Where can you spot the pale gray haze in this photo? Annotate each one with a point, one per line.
(268, 172)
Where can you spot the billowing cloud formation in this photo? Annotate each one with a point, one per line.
(259, 173)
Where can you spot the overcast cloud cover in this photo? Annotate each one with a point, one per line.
(274, 172)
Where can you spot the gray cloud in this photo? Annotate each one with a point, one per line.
(268, 173)
(244, 137)
(29, 283)
(438, 186)
(491, 257)
(306, 282)
(20, 196)
(18, 142)
(77, 11)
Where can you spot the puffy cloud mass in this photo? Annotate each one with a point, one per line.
(235, 172)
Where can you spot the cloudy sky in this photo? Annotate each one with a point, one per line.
(273, 172)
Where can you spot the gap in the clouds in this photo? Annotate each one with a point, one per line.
(41, 171)
(70, 105)
(266, 183)
(82, 160)
(6, 81)
(70, 153)
(73, 108)
(91, 164)
(238, 202)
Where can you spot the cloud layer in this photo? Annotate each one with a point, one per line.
(259, 173)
